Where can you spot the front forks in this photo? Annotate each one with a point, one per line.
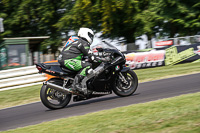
(122, 78)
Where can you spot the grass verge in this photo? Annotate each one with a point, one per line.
(26, 95)
(19, 96)
(155, 73)
(177, 114)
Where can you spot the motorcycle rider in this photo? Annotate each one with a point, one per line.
(73, 52)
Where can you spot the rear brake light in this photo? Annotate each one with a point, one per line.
(39, 68)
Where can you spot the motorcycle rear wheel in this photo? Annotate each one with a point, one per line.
(54, 99)
(122, 89)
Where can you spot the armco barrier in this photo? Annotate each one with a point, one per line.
(4, 74)
(18, 77)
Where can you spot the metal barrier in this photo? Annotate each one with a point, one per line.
(20, 77)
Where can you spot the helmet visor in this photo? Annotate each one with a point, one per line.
(91, 36)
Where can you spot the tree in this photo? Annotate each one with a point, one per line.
(116, 18)
(180, 16)
(35, 18)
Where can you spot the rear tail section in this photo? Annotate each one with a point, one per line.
(52, 69)
(48, 76)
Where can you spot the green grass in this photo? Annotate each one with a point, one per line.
(174, 115)
(25, 95)
(19, 96)
(155, 73)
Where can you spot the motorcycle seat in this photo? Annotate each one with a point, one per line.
(49, 65)
(55, 66)
(68, 70)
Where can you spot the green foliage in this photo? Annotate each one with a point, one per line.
(179, 16)
(34, 18)
(114, 18)
(132, 18)
(52, 44)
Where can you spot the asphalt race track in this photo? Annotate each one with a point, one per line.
(35, 113)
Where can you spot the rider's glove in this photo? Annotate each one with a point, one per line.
(91, 58)
(94, 58)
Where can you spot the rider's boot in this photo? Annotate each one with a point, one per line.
(77, 82)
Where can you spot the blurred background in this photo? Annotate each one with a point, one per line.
(33, 31)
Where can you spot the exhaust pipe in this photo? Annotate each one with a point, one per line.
(57, 87)
(61, 89)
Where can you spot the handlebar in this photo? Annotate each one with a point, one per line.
(103, 59)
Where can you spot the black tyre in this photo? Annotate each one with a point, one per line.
(126, 89)
(54, 99)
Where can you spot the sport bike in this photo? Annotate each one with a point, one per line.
(109, 75)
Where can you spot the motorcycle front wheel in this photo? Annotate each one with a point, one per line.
(127, 87)
(52, 98)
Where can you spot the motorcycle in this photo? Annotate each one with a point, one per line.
(109, 75)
